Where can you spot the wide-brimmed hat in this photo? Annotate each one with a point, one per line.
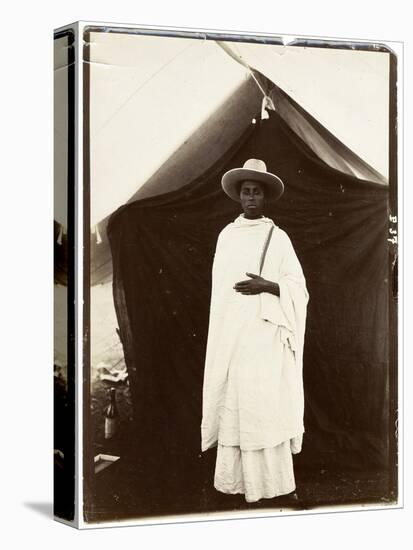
(255, 170)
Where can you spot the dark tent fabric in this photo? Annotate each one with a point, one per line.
(184, 165)
(162, 250)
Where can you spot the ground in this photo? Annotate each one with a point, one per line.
(125, 491)
(118, 495)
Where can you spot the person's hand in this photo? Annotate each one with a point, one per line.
(255, 285)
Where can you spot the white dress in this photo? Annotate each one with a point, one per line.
(252, 385)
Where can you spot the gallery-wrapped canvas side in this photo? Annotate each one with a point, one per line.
(64, 276)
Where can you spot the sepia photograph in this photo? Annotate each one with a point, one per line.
(240, 251)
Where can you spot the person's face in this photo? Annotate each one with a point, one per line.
(252, 198)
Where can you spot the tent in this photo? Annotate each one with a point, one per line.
(194, 98)
(164, 126)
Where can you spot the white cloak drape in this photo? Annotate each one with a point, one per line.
(263, 335)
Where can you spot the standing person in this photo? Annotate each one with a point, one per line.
(253, 400)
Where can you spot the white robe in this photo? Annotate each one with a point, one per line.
(256, 340)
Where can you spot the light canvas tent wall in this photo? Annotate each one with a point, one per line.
(162, 111)
(144, 108)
